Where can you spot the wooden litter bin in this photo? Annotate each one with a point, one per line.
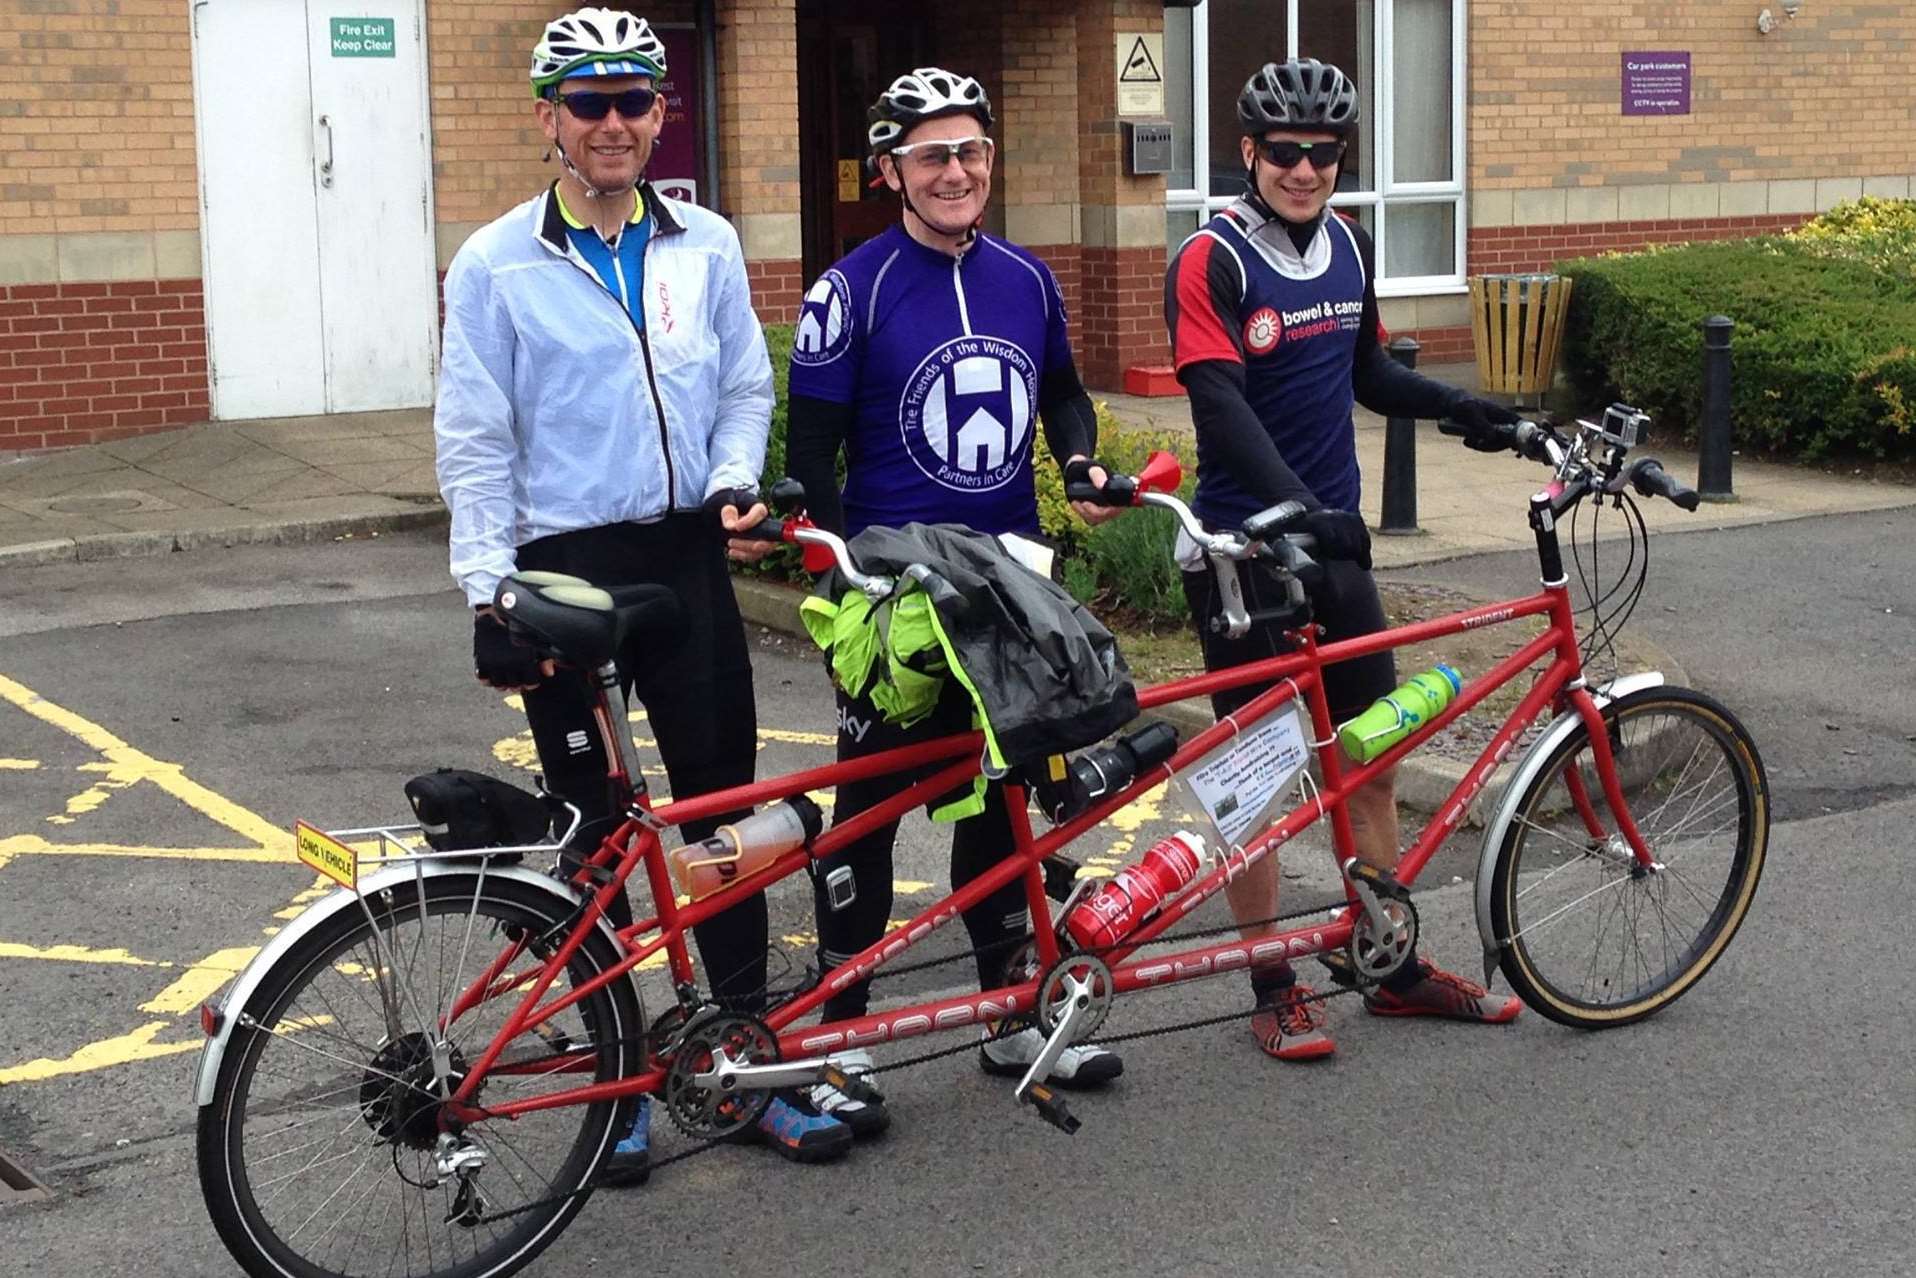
(1516, 325)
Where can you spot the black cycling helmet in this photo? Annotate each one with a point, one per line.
(925, 94)
(1300, 94)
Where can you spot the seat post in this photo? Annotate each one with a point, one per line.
(610, 708)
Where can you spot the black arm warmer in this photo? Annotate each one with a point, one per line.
(1235, 438)
(1382, 384)
(815, 429)
(1070, 422)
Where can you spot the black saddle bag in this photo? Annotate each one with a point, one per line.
(461, 810)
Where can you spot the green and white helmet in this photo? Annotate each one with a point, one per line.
(925, 94)
(594, 41)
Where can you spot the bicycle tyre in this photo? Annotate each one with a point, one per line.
(318, 972)
(1694, 782)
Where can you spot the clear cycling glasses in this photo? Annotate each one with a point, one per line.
(973, 154)
(1288, 155)
(593, 105)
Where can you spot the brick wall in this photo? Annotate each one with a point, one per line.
(1505, 249)
(777, 288)
(1816, 98)
(758, 79)
(96, 124)
(84, 363)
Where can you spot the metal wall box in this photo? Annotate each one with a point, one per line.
(1147, 146)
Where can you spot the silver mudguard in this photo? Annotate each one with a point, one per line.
(237, 995)
(1526, 771)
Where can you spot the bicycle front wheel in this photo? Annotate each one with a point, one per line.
(323, 1155)
(1590, 938)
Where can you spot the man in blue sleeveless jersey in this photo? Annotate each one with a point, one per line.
(1274, 328)
(928, 355)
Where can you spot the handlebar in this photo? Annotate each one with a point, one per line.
(1590, 457)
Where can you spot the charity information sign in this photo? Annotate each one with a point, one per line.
(1240, 783)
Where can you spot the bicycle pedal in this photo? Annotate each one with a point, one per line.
(1051, 1108)
(1338, 965)
(1382, 882)
(1060, 876)
(853, 1085)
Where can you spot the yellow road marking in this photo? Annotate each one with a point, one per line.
(34, 845)
(120, 1050)
(200, 982)
(75, 954)
(117, 778)
(170, 777)
(796, 738)
(909, 887)
(18, 765)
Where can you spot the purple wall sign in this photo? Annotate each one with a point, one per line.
(674, 167)
(1656, 83)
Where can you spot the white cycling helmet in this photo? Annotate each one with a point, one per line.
(595, 41)
(917, 96)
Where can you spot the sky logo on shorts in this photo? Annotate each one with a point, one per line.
(824, 321)
(966, 413)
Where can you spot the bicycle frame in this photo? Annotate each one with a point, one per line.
(1295, 674)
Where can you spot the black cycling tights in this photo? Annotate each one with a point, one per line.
(996, 925)
(698, 704)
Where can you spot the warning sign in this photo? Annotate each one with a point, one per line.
(326, 854)
(1140, 72)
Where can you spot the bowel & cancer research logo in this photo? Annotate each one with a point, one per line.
(966, 413)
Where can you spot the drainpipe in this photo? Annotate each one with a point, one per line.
(706, 19)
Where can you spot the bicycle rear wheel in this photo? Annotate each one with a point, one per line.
(318, 1156)
(1588, 938)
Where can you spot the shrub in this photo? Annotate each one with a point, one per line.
(1878, 232)
(1823, 362)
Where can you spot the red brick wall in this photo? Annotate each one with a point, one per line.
(1065, 263)
(1120, 319)
(1509, 249)
(777, 289)
(84, 363)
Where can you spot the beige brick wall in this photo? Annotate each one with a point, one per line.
(96, 119)
(1828, 95)
(758, 107)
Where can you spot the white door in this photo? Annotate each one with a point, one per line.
(316, 205)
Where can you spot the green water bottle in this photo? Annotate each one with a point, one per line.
(1401, 713)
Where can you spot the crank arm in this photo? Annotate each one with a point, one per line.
(725, 1076)
(1032, 1088)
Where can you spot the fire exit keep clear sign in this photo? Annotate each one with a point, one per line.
(362, 37)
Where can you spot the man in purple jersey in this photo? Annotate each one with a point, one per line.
(928, 355)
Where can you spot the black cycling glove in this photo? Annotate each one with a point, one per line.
(1340, 534)
(497, 659)
(1481, 419)
(743, 499)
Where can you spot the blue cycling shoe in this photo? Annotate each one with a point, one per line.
(798, 1131)
(631, 1160)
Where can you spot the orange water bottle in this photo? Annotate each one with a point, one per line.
(740, 850)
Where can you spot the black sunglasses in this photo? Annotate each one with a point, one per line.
(1288, 155)
(592, 105)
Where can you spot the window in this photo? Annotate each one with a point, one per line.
(1403, 177)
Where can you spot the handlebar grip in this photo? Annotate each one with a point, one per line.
(768, 529)
(1651, 480)
(1118, 490)
(943, 594)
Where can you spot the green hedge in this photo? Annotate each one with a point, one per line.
(1823, 358)
(1124, 564)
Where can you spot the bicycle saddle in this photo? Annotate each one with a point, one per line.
(572, 620)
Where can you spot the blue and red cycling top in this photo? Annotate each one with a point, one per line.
(940, 359)
(1240, 290)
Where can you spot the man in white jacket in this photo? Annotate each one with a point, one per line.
(604, 401)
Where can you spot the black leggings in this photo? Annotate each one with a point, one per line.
(698, 703)
(996, 925)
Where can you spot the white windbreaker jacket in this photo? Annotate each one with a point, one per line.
(556, 413)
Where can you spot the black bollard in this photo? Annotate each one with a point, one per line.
(1713, 456)
(1400, 458)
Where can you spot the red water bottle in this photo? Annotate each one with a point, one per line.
(1108, 915)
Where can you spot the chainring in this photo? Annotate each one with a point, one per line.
(1376, 953)
(1054, 996)
(707, 1113)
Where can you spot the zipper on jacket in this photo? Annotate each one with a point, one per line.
(652, 384)
(958, 286)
